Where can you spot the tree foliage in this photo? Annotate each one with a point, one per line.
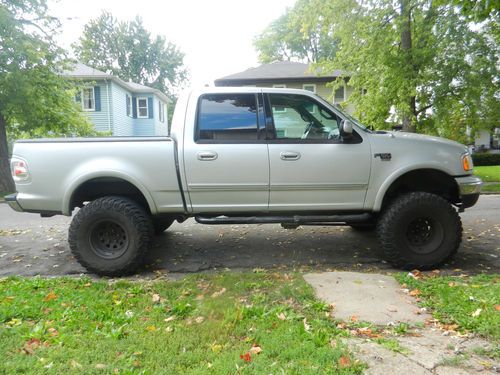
(414, 62)
(287, 38)
(127, 50)
(34, 99)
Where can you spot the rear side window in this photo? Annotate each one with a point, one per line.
(227, 117)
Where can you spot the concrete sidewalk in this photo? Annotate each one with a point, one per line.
(379, 300)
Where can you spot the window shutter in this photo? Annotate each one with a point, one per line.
(134, 107)
(78, 96)
(150, 107)
(97, 93)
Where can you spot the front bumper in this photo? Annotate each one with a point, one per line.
(11, 200)
(469, 188)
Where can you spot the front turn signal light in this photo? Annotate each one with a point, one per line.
(467, 162)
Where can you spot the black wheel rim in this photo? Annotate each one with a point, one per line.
(424, 235)
(108, 239)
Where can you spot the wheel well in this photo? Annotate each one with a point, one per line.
(100, 187)
(428, 180)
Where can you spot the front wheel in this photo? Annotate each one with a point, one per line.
(419, 231)
(110, 236)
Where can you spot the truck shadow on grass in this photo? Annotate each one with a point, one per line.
(194, 248)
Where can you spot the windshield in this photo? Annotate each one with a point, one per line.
(342, 113)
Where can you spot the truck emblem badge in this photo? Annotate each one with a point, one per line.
(384, 156)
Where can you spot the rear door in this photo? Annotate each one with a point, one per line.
(227, 160)
(311, 167)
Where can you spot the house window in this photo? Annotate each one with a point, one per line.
(88, 99)
(161, 111)
(142, 108)
(279, 109)
(129, 106)
(309, 87)
(339, 95)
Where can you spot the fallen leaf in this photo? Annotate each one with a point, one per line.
(344, 361)
(49, 297)
(281, 316)
(31, 345)
(353, 318)
(53, 332)
(100, 366)
(150, 328)
(199, 319)
(476, 313)
(155, 298)
(307, 327)
(169, 319)
(255, 349)
(497, 307)
(414, 293)
(246, 357)
(220, 292)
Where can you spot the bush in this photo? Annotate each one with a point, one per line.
(486, 159)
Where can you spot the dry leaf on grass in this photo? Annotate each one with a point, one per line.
(255, 349)
(220, 292)
(156, 298)
(344, 361)
(49, 297)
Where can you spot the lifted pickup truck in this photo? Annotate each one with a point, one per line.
(250, 155)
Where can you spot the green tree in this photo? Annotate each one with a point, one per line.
(34, 100)
(422, 65)
(290, 37)
(127, 50)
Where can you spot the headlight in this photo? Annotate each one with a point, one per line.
(467, 164)
(19, 170)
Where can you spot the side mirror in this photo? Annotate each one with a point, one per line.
(346, 129)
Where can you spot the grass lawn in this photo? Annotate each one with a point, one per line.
(493, 188)
(203, 324)
(488, 173)
(471, 303)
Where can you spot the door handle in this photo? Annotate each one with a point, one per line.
(207, 155)
(290, 155)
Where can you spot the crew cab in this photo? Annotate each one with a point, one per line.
(250, 155)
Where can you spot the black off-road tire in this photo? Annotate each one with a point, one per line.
(419, 230)
(160, 225)
(110, 236)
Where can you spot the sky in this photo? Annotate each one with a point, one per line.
(215, 35)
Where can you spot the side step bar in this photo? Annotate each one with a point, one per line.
(290, 219)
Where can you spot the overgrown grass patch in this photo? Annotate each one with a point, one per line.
(493, 188)
(471, 302)
(202, 324)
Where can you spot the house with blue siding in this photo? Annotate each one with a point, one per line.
(117, 107)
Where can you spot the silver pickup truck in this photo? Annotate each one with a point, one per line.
(250, 155)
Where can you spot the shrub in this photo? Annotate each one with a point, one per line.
(486, 159)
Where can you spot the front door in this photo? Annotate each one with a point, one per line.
(311, 167)
(227, 165)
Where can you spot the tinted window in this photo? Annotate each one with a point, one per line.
(227, 117)
(300, 117)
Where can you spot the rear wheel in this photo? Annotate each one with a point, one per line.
(419, 230)
(110, 236)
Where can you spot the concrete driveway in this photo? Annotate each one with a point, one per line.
(30, 245)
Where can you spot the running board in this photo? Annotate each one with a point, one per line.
(290, 219)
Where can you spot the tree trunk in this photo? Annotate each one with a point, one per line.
(406, 47)
(6, 182)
